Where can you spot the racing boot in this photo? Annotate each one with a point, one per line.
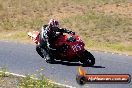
(38, 49)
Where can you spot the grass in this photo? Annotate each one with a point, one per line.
(2, 71)
(8, 80)
(29, 82)
(103, 31)
(16, 36)
(101, 27)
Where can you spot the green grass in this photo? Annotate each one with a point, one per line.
(16, 36)
(115, 47)
(101, 27)
(101, 31)
(2, 71)
(29, 82)
(8, 80)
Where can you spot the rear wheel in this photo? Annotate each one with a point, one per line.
(87, 59)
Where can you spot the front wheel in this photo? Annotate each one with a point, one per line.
(87, 59)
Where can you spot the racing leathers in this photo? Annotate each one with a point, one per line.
(46, 36)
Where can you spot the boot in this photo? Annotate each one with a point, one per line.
(38, 49)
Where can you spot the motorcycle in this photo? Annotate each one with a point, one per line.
(66, 47)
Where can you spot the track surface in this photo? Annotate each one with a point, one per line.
(23, 59)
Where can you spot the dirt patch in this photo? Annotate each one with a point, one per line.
(66, 11)
(9, 82)
(124, 9)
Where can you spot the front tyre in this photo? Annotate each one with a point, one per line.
(87, 59)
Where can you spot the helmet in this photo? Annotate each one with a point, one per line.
(53, 23)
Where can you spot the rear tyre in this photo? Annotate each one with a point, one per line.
(87, 59)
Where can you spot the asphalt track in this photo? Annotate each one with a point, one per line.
(23, 59)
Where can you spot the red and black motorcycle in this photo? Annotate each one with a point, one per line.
(66, 47)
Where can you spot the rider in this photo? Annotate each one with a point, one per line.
(48, 34)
